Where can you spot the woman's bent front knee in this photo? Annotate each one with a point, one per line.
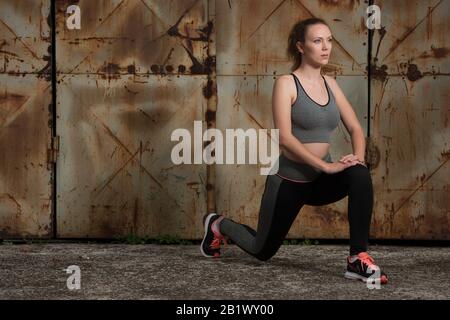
(265, 255)
(358, 172)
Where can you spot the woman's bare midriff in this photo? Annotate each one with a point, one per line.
(319, 149)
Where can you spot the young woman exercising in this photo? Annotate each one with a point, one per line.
(307, 106)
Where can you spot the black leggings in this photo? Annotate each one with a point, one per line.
(282, 200)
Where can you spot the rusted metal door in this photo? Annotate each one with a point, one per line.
(25, 119)
(134, 72)
(139, 69)
(410, 120)
(408, 132)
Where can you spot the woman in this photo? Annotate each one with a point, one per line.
(307, 107)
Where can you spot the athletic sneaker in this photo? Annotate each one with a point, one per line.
(212, 240)
(362, 267)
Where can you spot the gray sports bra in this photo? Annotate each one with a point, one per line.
(311, 122)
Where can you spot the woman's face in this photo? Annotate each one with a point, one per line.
(317, 47)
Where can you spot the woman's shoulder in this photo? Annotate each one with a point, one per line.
(285, 83)
(284, 78)
(330, 80)
(332, 83)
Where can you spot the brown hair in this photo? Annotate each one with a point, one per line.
(298, 33)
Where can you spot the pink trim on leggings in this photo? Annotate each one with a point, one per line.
(291, 179)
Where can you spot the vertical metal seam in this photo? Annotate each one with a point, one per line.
(369, 80)
(211, 193)
(53, 115)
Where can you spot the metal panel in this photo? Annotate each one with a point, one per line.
(25, 120)
(115, 117)
(409, 117)
(115, 174)
(252, 35)
(25, 36)
(251, 52)
(138, 69)
(135, 36)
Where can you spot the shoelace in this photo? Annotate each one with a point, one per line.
(366, 259)
(218, 238)
(215, 244)
(217, 241)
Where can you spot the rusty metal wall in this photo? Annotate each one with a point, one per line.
(410, 120)
(133, 73)
(139, 69)
(251, 52)
(25, 119)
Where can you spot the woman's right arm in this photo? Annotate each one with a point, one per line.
(281, 109)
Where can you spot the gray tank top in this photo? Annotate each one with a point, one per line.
(311, 122)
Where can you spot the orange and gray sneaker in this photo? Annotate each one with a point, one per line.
(212, 239)
(362, 267)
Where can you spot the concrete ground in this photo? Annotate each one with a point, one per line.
(121, 271)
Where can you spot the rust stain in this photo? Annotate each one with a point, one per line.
(12, 199)
(197, 66)
(99, 39)
(113, 71)
(208, 89)
(354, 62)
(109, 71)
(331, 217)
(265, 20)
(131, 69)
(423, 180)
(440, 52)
(445, 154)
(429, 24)
(46, 71)
(210, 116)
(410, 30)
(20, 39)
(333, 70)
(73, 69)
(111, 178)
(253, 119)
(130, 91)
(109, 15)
(204, 32)
(413, 73)
(437, 53)
(346, 4)
(378, 73)
(382, 33)
(9, 53)
(11, 105)
(373, 154)
(112, 135)
(117, 140)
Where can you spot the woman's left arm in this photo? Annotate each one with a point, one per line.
(349, 120)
